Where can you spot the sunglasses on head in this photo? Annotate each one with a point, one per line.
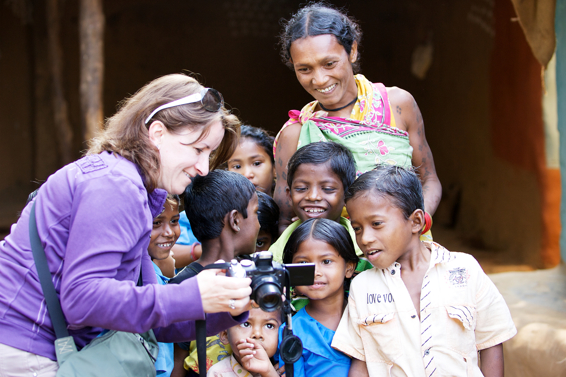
(210, 99)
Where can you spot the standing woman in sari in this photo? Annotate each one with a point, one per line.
(378, 124)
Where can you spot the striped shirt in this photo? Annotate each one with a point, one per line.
(461, 313)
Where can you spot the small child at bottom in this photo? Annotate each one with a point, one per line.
(329, 246)
(253, 344)
(422, 310)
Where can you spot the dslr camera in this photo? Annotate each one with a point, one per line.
(269, 278)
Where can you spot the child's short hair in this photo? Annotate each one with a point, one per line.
(268, 215)
(341, 160)
(261, 137)
(402, 185)
(324, 230)
(208, 199)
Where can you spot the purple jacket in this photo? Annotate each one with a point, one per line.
(94, 218)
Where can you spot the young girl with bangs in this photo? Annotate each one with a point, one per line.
(329, 246)
(253, 158)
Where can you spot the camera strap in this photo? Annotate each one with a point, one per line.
(200, 325)
(291, 348)
(200, 328)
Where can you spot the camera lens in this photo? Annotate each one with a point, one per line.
(268, 297)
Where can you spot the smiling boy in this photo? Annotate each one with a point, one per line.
(318, 176)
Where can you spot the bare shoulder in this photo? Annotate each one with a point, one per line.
(407, 114)
(399, 97)
(291, 132)
(287, 144)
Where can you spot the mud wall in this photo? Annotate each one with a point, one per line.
(472, 96)
(561, 92)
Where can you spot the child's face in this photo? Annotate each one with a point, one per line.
(330, 269)
(263, 241)
(317, 191)
(249, 228)
(261, 326)
(165, 232)
(251, 161)
(382, 231)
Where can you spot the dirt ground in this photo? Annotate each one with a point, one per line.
(537, 301)
(492, 261)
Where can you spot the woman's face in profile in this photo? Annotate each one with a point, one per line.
(324, 69)
(182, 158)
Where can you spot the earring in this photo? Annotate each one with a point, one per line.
(237, 229)
(158, 146)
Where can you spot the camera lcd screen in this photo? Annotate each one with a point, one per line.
(301, 273)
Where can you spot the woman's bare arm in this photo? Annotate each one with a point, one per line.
(286, 147)
(409, 118)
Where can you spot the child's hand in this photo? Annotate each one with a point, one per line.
(254, 358)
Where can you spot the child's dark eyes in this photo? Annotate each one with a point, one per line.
(329, 189)
(175, 221)
(257, 163)
(198, 150)
(157, 224)
(270, 326)
(259, 243)
(356, 228)
(300, 189)
(245, 324)
(236, 167)
(377, 223)
(326, 261)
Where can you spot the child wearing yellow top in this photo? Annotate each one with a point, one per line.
(422, 310)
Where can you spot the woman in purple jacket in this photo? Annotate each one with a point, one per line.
(94, 220)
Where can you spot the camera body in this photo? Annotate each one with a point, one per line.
(269, 278)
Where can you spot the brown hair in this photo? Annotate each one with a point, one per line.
(126, 134)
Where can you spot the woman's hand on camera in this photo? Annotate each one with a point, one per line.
(224, 294)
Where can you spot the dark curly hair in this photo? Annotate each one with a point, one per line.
(318, 19)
